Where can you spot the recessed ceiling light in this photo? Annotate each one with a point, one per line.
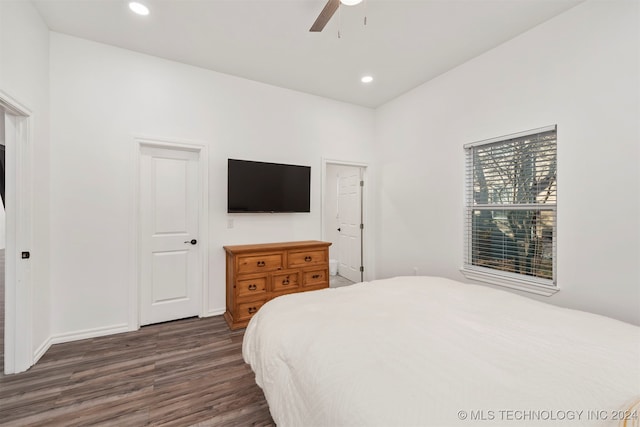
(350, 2)
(366, 79)
(138, 8)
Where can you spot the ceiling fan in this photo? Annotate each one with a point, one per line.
(328, 11)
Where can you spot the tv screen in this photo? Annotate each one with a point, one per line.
(267, 187)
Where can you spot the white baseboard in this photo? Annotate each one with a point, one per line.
(75, 336)
(89, 333)
(41, 350)
(93, 333)
(215, 312)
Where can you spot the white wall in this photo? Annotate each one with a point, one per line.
(24, 75)
(579, 71)
(100, 97)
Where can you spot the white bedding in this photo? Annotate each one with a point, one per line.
(428, 351)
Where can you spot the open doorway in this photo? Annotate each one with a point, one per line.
(344, 221)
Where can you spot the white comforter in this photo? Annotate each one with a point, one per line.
(428, 351)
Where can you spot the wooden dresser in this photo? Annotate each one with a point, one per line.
(258, 273)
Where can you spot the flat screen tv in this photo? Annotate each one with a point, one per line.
(267, 187)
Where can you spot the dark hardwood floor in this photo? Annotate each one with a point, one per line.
(1, 314)
(182, 373)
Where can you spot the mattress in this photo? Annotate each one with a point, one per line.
(429, 351)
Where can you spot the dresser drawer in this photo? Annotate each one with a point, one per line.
(285, 281)
(306, 258)
(249, 287)
(315, 277)
(259, 263)
(246, 310)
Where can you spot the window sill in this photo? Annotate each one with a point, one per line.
(509, 282)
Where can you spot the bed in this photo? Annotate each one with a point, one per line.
(429, 351)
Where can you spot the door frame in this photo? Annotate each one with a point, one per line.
(18, 326)
(366, 232)
(203, 219)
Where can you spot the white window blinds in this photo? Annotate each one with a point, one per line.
(510, 218)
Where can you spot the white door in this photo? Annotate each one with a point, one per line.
(18, 288)
(349, 220)
(170, 270)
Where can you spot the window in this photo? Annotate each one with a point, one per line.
(510, 211)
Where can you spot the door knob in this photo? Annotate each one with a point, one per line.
(193, 241)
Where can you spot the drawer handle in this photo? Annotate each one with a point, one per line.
(315, 276)
(261, 264)
(285, 281)
(307, 258)
(253, 287)
(252, 310)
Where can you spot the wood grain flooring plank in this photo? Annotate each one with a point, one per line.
(124, 407)
(187, 372)
(247, 416)
(2, 268)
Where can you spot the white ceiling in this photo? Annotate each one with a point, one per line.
(404, 44)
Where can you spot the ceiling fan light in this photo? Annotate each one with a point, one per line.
(138, 8)
(350, 2)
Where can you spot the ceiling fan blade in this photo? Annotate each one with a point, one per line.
(326, 14)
